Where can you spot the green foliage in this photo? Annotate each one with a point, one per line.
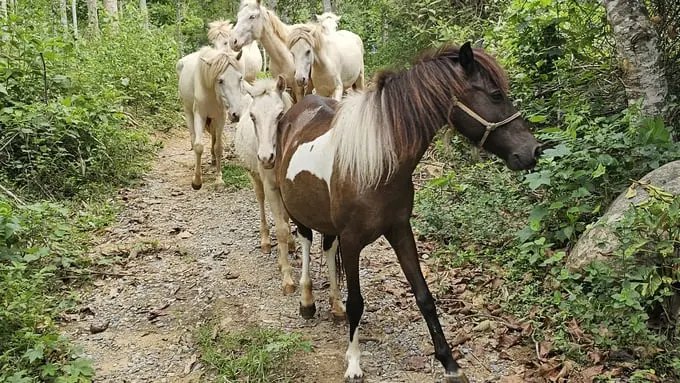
(253, 355)
(235, 176)
(78, 125)
(38, 244)
(581, 175)
(473, 205)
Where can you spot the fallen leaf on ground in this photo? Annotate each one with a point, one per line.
(483, 326)
(512, 379)
(507, 341)
(544, 348)
(460, 339)
(588, 375)
(184, 235)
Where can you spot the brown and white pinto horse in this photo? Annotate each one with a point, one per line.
(344, 169)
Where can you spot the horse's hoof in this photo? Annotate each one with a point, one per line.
(266, 248)
(354, 379)
(288, 289)
(196, 186)
(459, 378)
(308, 312)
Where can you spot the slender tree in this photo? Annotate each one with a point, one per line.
(74, 15)
(92, 16)
(145, 13)
(63, 15)
(637, 44)
(3, 8)
(272, 5)
(111, 7)
(327, 6)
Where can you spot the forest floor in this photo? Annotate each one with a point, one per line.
(182, 257)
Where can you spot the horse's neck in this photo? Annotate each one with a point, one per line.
(274, 44)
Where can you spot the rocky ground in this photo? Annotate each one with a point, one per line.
(182, 257)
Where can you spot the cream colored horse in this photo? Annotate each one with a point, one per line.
(335, 60)
(209, 81)
(328, 21)
(219, 34)
(256, 22)
(266, 103)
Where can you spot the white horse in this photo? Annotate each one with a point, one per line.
(329, 21)
(266, 103)
(219, 34)
(256, 22)
(335, 60)
(209, 81)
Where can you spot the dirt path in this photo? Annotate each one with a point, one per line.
(187, 256)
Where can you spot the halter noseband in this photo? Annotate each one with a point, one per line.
(490, 126)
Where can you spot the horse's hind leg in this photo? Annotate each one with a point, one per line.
(265, 241)
(189, 118)
(359, 83)
(401, 239)
(330, 251)
(307, 306)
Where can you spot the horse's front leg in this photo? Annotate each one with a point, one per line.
(330, 251)
(199, 126)
(282, 226)
(337, 92)
(307, 306)
(265, 241)
(298, 92)
(401, 239)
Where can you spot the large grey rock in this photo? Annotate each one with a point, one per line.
(599, 241)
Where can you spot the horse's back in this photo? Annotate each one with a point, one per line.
(348, 52)
(186, 68)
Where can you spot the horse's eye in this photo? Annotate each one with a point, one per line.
(252, 17)
(252, 118)
(220, 81)
(280, 116)
(308, 52)
(497, 96)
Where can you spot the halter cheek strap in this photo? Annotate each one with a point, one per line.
(490, 126)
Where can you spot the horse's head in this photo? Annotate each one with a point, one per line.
(270, 103)
(483, 112)
(225, 71)
(249, 24)
(219, 34)
(300, 44)
(328, 21)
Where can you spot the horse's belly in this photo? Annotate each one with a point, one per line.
(305, 189)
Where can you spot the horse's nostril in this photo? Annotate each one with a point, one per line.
(537, 151)
(271, 157)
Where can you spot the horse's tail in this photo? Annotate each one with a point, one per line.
(339, 267)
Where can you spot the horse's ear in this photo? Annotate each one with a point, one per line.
(258, 3)
(247, 87)
(238, 56)
(318, 17)
(280, 84)
(466, 57)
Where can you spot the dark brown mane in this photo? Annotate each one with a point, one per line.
(416, 103)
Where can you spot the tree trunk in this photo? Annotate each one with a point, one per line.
(63, 15)
(145, 13)
(327, 6)
(272, 5)
(111, 6)
(637, 45)
(74, 15)
(3, 8)
(92, 16)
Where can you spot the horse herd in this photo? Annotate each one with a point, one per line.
(341, 163)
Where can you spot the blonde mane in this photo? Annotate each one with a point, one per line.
(219, 29)
(278, 27)
(268, 85)
(213, 62)
(311, 33)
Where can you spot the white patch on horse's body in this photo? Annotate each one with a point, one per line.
(316, 157)
(353, 356)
